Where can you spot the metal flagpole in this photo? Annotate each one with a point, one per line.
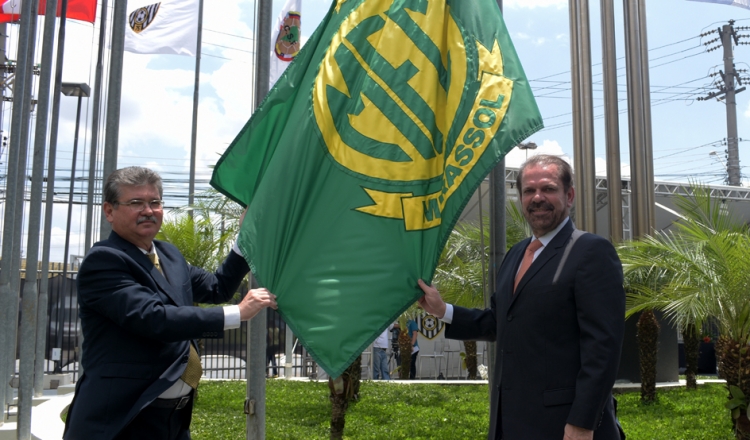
(497, 239)
(612, 120)
(95, 120)
(10, 279)
(114, 94)
(255, 402)
(43, 319)
(30, 297)
(194, 136)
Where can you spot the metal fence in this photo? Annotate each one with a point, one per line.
(226, 358)
(222, 358)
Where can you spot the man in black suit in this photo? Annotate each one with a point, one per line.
(558, 320)
(135, 297)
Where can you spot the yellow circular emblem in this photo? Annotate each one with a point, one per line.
(387, 93)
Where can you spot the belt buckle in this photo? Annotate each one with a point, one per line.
(183, 401)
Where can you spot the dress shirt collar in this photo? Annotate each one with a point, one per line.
(546, 238)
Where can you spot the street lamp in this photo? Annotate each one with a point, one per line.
(527, 146)
(80, 90)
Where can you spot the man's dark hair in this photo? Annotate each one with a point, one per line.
(130, 176)
(565, 171)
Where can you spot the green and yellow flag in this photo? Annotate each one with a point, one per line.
(360, 160)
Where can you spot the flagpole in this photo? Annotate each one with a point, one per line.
(497, 239)
(10, 279)
(95, 119)
(40, 142)
(194, 137)
(30, 297)
(114, 90)
(255, 402)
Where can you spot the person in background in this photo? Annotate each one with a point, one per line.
(272, 346)
(413, 330)
(557, 317)
(380, 357)
(135, 295)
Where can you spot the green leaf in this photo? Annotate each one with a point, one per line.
(736, 392)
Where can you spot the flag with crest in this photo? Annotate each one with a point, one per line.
(286, 39)
(361, 158)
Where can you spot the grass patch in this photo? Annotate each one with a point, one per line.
(677, 414)
(301, 410)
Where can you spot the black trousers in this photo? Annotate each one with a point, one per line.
(160, 423)
(413, 367)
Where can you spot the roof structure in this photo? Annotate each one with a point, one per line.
(736, 199)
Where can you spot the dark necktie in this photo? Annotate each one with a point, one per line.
(528, 258)
(194, 370)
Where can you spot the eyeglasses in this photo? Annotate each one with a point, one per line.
(137, 205)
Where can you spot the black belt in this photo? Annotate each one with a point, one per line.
(177, 403)
(381, 348)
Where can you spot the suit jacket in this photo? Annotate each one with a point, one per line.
(558, 338)
(137, 326)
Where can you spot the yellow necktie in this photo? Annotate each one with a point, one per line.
(155, 259)
(528, 258)
(194, 370)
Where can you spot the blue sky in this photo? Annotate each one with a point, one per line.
(156, 108)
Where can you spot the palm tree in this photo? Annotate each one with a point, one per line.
(696, 275)
(204, 232)
(344, 389)
(462, 270)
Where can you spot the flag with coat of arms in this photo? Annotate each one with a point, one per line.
(286, 40)
(358, 163)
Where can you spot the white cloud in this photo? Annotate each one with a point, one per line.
(517, 156)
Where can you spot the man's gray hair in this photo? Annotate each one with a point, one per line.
(565, 171)
(130, 176)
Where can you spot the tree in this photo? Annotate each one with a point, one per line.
(697, 275)
(204, 232)
(344, 389)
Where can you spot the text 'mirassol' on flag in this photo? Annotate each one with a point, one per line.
(358, 163)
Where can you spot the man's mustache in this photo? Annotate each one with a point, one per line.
(146, 218)
(541, 206)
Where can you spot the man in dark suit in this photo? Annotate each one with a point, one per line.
(136, 295)
(557, 318)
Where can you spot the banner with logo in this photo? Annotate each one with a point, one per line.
(166, 27)
(286, 39)
(741, 3)
(84, 10)
(358, 163)
(429, 325)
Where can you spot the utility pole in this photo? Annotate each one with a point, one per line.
(730, 86)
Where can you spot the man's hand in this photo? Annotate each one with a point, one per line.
(255, 301)
(575, 433)
(431, 300)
